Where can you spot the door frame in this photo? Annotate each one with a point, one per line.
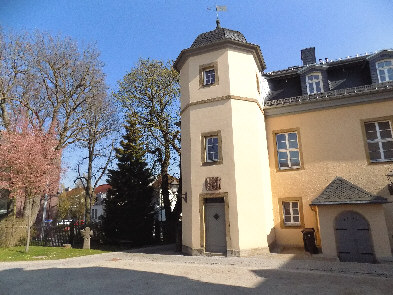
(369, 231)
(202, 198)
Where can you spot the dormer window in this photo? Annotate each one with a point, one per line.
(385, 70)
(314, 83)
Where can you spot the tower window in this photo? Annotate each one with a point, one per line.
(209, 77)
(211, 148)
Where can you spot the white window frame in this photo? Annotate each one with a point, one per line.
(314, 82)
(288, 150)
(379, 140)
(292, 215)
(385, 70)
(217, 157)
(207, 79)
(94, 213)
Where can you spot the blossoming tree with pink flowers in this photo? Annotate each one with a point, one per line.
(30, 167)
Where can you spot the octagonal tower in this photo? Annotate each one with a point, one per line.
(225, 167)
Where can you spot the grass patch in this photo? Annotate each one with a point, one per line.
(43, 253)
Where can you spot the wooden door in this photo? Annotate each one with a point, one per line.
(353, 238)
(215, 227)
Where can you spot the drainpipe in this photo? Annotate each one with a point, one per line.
(317, 232)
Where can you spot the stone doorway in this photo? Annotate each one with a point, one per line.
(215, 226)
(353, 238)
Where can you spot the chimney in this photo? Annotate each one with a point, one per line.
(308, 56)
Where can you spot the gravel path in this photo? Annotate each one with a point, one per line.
(159, 270)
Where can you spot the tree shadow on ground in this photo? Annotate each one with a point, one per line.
(108, 280)
(167, 249)
(101, 280)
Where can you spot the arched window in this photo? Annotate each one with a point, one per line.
(385, 70)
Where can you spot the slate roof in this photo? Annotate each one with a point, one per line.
(341, 191)
(216, 35)
(219, 36)
(330, 63)
(272, 101)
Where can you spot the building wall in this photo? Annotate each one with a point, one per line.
(198, 119)
(252, 177)
(232, 108)
(250, 154)
(332, 144)
(375, 217)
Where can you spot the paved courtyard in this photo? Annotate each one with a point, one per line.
(159, 270)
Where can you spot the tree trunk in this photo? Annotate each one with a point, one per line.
(28, 225)
(169, 235)
(88, 187)
(4, 113)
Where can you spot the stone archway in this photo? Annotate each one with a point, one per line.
(353, 238)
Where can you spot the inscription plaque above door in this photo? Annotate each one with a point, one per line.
(213, 183)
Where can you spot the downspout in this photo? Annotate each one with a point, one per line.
(317, 231)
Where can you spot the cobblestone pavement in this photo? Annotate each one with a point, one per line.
(159, 270)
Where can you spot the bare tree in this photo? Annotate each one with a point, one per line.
(50, 77)
(97, 139)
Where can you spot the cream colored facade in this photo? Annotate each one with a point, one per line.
(374, 215)
(223, 107)
(331, 143)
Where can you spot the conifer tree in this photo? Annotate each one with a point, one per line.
(129, 209)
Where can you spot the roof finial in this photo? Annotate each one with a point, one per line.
(218, 23)
(219, 8)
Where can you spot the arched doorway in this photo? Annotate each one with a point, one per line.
(353, 238)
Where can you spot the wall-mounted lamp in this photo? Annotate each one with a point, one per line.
(390, 185)
(184, 197)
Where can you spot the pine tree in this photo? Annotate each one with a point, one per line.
(129, 209)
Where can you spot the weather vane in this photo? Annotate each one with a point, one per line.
(217, 9)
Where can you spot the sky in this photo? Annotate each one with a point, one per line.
(126, 30)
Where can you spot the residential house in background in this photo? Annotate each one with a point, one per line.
(266, 155)
(97, 209)
(158, 198)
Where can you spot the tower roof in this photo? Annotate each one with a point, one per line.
(218, 34)
(218, 38)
